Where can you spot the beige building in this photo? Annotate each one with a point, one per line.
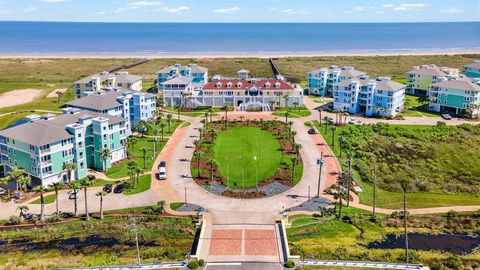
(105, 80)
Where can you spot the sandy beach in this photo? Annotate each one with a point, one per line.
(226, 55)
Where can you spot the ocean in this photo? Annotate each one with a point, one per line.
(212, 38)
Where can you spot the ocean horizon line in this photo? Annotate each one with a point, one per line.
(280, 22)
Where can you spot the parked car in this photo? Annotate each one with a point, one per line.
(330, 120)
(74, 194)
(108, 188)
(351, 121)
(447, 116)
(311, 131)
(118, 188)
(162, 170)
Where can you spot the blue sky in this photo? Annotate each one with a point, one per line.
(240, 10)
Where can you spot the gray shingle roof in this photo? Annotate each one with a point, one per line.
(178, 80)
(387, 85)
(104, 101)
(343, 71)
(459, 84)
(43, 132)
(431, 71)
(194, 68)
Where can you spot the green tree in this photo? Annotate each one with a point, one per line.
(15, 175)
(23, 181)
(69, 168)
(162, 129)
(178, 107)
(144, 152)
(294, 161)
(169, 119)
(198, 155)
(226, 108)
(56, 187)
(105, 154)
(101, 194)
(85, 183)
(213, 134)
(423, 100)
(333, 136)
(41, 189)
(297, 147)
(212, 163)
(75, 186)
(210, 112)
(131, 141)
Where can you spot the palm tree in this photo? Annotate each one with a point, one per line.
(198, 155)
(286, 116)
(15, 175)
(200, 130)
(213, 134)
(326, 123)
(23, 181)
(162, 128)
(105, 154)
(144, 151)
(210, 112)
(226, 108)
(132, 140)
(159, 117)
(424, 100)
(85, 183)
(75, 186)
(69, 168)
(56, 187)
(41, 189)
(101, 194)
(295, 105)
(169, 118)
(294, 161)
(271, 103)
(206, 117)
(290, 124)
(297, 147)
(142, 127)
(211, 163)
(333, 135)
(287, 98)
(178, 107)
(59, 95)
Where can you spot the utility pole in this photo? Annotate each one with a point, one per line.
(309, 193)
(374, 190)
(405, 223)
(349, 179)
(185, 194)
(320, 162)
(320, 116)
(135, 231)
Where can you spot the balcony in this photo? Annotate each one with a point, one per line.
(45, 151)
(46, 163)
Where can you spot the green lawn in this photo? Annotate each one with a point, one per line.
(394, 200)
(176, 205)
(236, 149)
(144, 183)
(293, 112)
(166, 132)
(415, 108)
(193, 113)
(47, 199)
(120, 170)
(10, 119)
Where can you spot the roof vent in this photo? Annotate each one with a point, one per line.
(33, 117)
(48, 116)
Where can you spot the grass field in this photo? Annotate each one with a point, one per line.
(119, 170)
(97, 242)
(46, 199)
(293, 112)
(144, 183)
(246, 155)
(394, 199)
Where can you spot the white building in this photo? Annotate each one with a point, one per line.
(121, 80)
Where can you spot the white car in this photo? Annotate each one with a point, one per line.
(162, 170)
(351, 121)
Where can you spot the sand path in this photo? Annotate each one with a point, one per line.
(17, 97)
(54, 92)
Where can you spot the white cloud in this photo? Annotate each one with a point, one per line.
(29, 9)
(178, 10)
(452, 11)
(227, 10)
(294, 11)
(120, 10)
(362, 8)
(3, 11)
(410, 6)
(140, 4)
(101, 13)
(54, 1)
(387, 5)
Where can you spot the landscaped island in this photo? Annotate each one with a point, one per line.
(242, 158)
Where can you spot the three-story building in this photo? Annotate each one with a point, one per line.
(96, 82)
(472, 70)
(198, 74)
(458, 95)
(321, 81)
(421, 78)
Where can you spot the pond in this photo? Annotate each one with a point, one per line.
(453, 243)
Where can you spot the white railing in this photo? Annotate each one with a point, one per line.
(173, 265)
(380, 265)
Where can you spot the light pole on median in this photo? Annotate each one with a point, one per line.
(320, 162)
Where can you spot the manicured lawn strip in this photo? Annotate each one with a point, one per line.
(101, 182)
(193, 113)
(174, 125)
(144, 183)
(47, 199)
(293, 112)
(11, 119)
(415, 108)
(236, 149)
(394, 200)
(176, 205)
(120, 170)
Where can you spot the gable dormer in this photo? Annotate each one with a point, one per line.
(229, 84)
(268, 84)
(239, 84)
(277, 85)
(218, 85)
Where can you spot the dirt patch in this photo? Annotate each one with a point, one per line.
(54, 92)
(17, 97)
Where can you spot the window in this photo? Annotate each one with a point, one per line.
(79, 135)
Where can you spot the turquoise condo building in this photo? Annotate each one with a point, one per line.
(321, 81)
(472, 70)
(44, 145)
(198, 74)
(459, 95)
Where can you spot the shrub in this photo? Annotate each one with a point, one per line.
(454, 263)
(52, 219)
(13, 220)
(289, 264)
(347, 219)
(201, 262)
(192, 265)
(91, 177)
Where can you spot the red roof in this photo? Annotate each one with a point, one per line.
(245, 84)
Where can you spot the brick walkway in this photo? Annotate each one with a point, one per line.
(226, 242)
(260, 242)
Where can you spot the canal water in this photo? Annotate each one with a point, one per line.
(452, 243)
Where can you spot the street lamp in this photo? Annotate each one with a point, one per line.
(320, 162)
(154, 145)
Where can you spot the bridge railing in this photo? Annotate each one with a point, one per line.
(381, 265)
